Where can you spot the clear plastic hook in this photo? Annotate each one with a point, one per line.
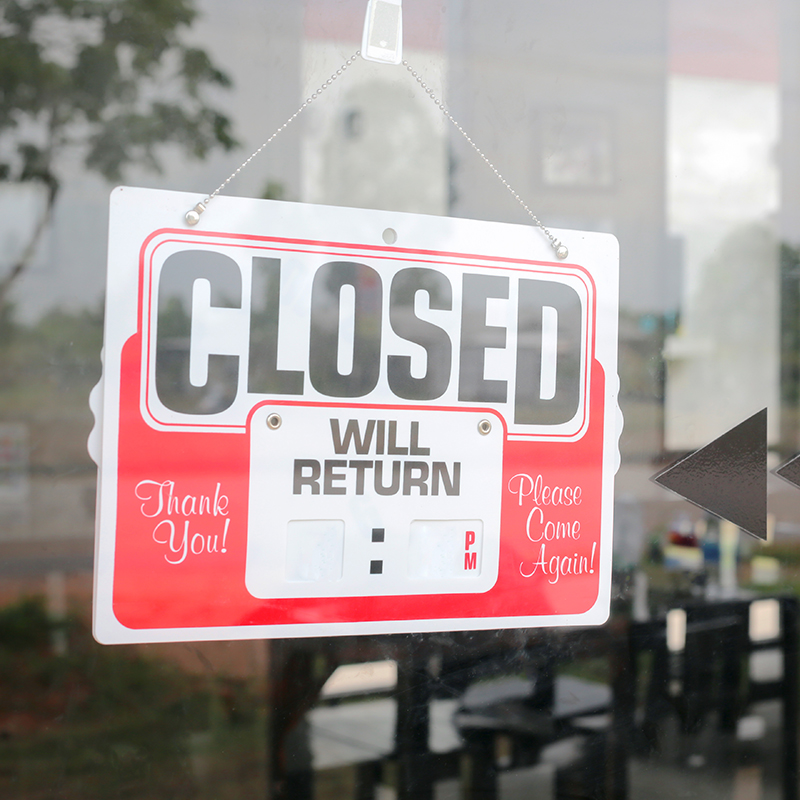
(383, 32)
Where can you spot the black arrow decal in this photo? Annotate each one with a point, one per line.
(790, 471)
(728, 477)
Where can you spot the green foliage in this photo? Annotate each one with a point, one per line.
(24, 625)
(105, 680)
(274, 190)
(174, 320)
(110, 76)
(103, 722)
(70, 342)
(790, 324)
(788, 554)
(61, 349)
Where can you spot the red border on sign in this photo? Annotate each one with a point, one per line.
(146, 268)
(208, 590)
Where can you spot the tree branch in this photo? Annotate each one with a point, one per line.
(24, 261)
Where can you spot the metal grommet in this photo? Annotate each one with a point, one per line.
(484, 427)
(274, 421)
(193, 217)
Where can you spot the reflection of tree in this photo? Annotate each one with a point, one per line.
(174, 320)
(641, 373)
(46, 372)
(60, 352)
(723, 362)
(790, 344)
(737, 286)
(101, 722)
(111, 79)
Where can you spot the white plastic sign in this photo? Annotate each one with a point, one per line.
(304, 430)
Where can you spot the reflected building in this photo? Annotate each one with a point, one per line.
(662, 130)
(570, 106)
(374, 139)
(574, 119)
(722, 364)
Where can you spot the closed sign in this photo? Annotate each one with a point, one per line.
(307, 431)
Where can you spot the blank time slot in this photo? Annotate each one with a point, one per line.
(314, 550)
(445, 549)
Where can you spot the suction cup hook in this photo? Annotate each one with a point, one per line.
(383, 32)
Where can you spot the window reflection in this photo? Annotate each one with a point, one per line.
(672, 125)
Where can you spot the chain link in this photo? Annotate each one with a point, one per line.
(193, 216)
(558, 246)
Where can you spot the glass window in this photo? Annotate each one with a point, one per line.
(673, 125)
